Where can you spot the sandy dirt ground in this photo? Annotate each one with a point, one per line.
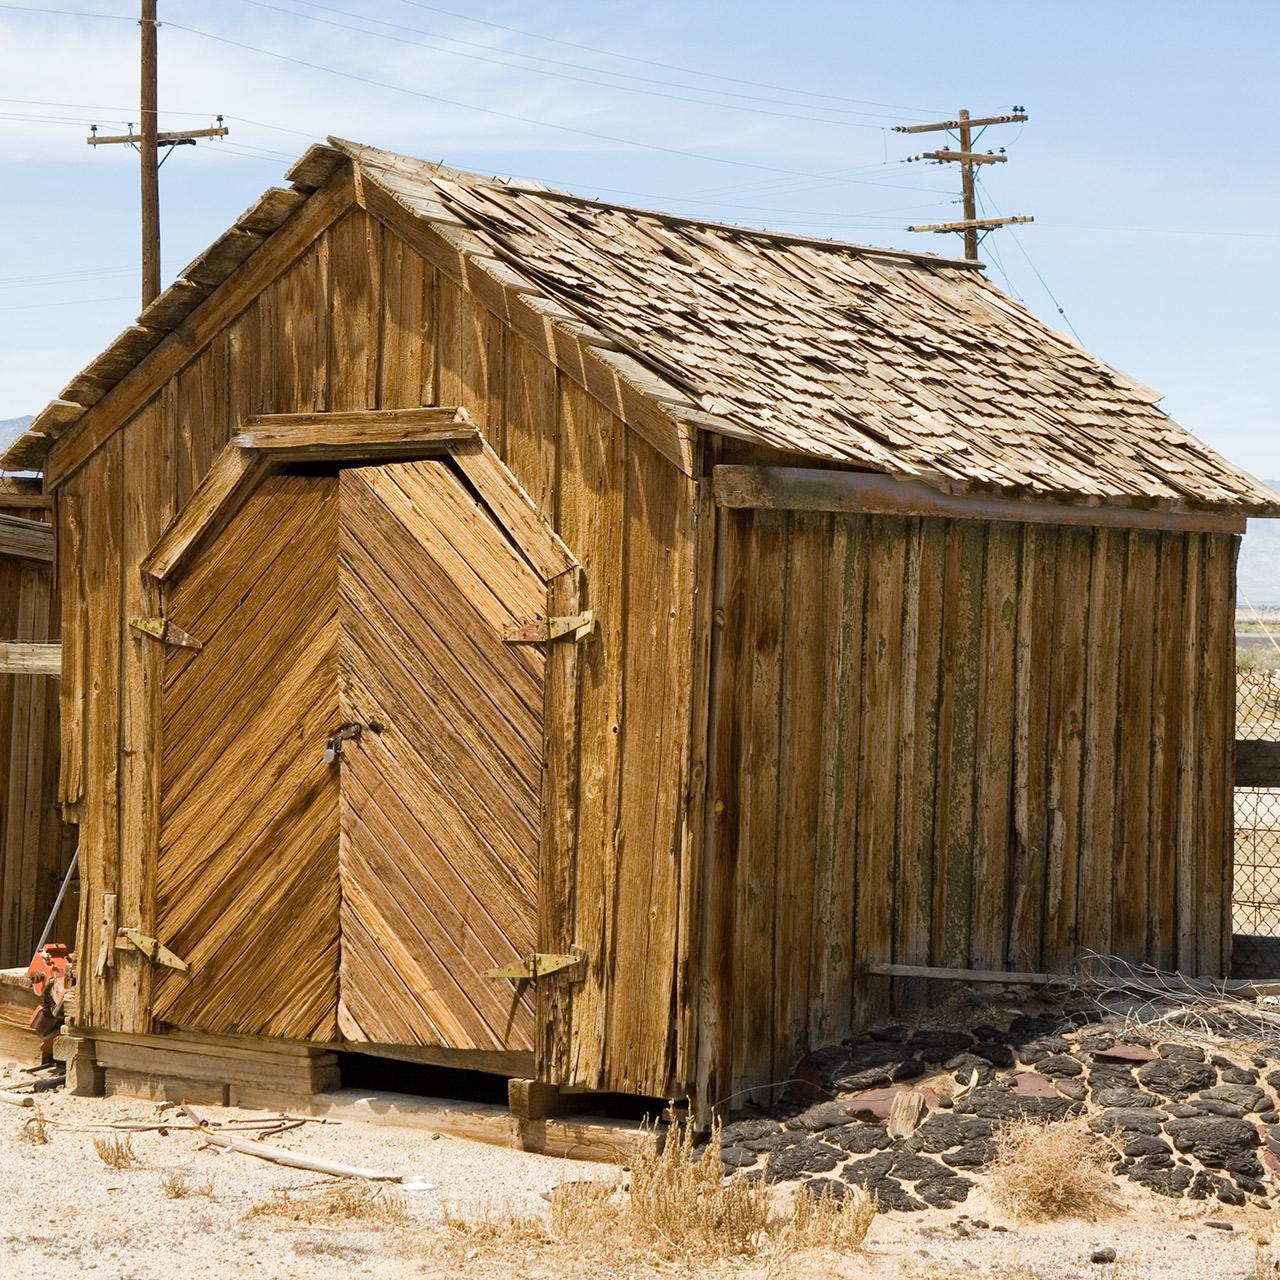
(67, 1213)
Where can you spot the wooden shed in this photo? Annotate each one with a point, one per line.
(509, 630)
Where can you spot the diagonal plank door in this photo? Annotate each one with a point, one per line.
(440, 804)
(247, 881)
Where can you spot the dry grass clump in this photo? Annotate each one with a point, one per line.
(117, 1153)
(672, 1209)
(1054, 1169)
(177, 1185)
(336, 1204)
(35, 1130)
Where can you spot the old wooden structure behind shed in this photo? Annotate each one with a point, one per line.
(690, 619)
(35, 845)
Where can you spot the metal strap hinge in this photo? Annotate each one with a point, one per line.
(540, 964)
(155, 951)
(540, 630)
(165, 631)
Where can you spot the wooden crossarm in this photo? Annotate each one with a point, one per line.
(372, 434)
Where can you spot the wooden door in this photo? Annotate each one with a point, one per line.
(247, 886)
(441, 792)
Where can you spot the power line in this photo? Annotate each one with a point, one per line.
(576, 66)
(509, 115)
(666, 66)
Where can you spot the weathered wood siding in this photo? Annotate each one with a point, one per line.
(360, 320)
(35, 846)
(955, 743)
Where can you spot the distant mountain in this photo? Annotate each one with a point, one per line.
(1259, 573)
(11, 429)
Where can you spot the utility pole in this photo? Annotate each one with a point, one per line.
(968, 160)
(148, 143)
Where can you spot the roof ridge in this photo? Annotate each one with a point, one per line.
(529, 187)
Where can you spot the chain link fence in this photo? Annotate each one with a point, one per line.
(1256, 895)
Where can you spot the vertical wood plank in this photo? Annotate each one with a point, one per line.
(405, 379)
(1133, 858)
(995, 739)
(527, 426)
(877, 868)
(1190, 747)
(1033, 663)
(1066, 745)
(72, 598)
(802, 694)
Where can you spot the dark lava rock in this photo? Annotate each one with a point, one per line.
(1163, 1181)
(942, 1132)
(965, 1064)
(737, 1131)
(916, 1168)
(1031, 1025)
(1245, 1096)
(810, 1156)
(889, 1193)
(999, 1055)
(1103, 1255)
(1215, 1141)
(894, 1034)
(1269, 1117)
(738, 1157)
(1059, 1064)
(1129, 1120)
(1181, 1110)
(1095, 1043)
(1125, 1097)
(972, 1155)
(1176, 1077)
(864, 1078)
(1211, 1107)
(953, 1041)
(994, 1103)
(864, 1173)
(1186, 1052)
(1230, 1194)
(1074, 1089)
(825, 1187)
(1106, 1075)
(911, 1069)
(778, 1141)
(1146, 1145)
(858, 1139)
(822, 1115)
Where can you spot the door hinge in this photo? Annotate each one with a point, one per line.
(540, 630)
(540, 964)
(333, 745)
(155, 951)
(165, 631)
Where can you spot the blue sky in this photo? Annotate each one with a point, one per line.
(1146, 161)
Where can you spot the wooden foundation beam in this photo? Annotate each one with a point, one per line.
(873, 493)
(23, 658)
(26, 539)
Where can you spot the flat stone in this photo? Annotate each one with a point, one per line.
(1031, 1084)
(1146, 1145)
(1126, 1097)
(822, 1115)
(1215, 1141)
(941, 1132)
(1059, 1064)
(1126, 1053)
(1181, 1110)
(1245, 1096)
(869, 1104)
(1074, 1089)
(993, 1103)
(1177, 1076)
(1128, 1120)
(1211, 1107)
(917, 1168)
(1186, 1052)
(740, 1130)
(858, 1138)
(738, 1157)
(863, 1173)
(911, 1069)
(810, 1156)
(1095, 1043)
(890, 1194)
(829, 1188)
(777, 1141)
(972, 1155)
(1172, 1182)
(999, 1055)
(863, 1079)
(964, 1065)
